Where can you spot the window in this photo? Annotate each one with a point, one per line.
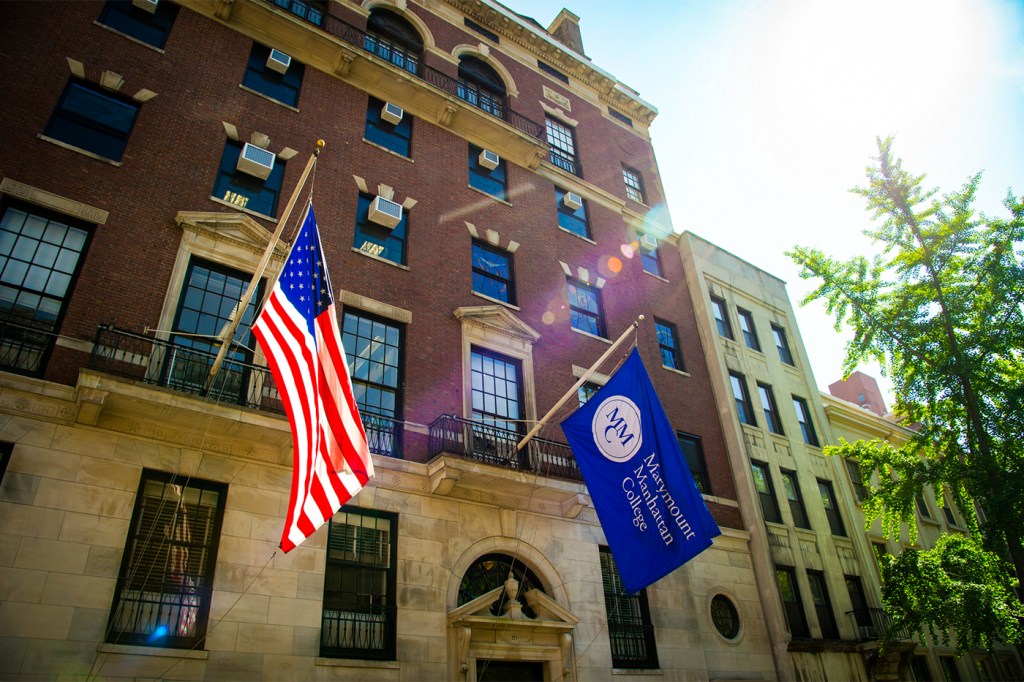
(210, 292)
(668, 345)
(491, 181)
(744, 410)
(164, 586)
(803, 416)
(922, 506)
(983, 668)
(377, 240)
(396, 137)
(650, 259)
(747, 329)
(765, 491)
(828, 500)
(860, 491)
(779, 334)
(721, 317)
(771, 410)
(630, 630)
(585, 310)
(725, 617)
(491, 571)
(949, 669)
(693, 452)
(481, 86)
(861, 613)
(822, 605)
(562, 142)
(586, 392)
(151, 28)
(552, 71)
(621, 118)
(485, 32)
(919, 664)
(374, 347)
(244, 190)
(785, 578)
(572, 219)
(281, 87)
(497, 390)
(880, 551)
(492, 272)
(40, 256)
(947, 511)
(796, 501)
(93, 119)
(393, 39)
(634, 185)
(360, 607)
(312, 11)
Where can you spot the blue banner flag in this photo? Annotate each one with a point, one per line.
(649, 507)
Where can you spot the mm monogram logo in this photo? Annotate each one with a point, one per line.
(617, 428)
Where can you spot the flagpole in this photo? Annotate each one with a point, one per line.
(228, 332)
(582, 380)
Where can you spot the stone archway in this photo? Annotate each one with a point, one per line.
(506, 626)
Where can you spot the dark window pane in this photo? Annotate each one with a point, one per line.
(283, 87)
(92, 119)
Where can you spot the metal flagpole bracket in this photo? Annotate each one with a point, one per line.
(582, 380)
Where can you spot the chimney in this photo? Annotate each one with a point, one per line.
(860, 389)
(566, 30)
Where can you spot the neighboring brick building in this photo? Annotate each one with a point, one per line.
(148, 153)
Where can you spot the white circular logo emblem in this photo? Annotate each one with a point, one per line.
(617, 428)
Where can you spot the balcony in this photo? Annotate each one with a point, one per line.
(875, 625)
(141, 358)
(382, 48)
(491, 445)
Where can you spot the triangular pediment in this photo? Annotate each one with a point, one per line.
(548, 611)
(496, 318)
(236, 228)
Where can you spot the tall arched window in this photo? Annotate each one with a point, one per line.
(394, 39)
(491, 571)
(481, 86)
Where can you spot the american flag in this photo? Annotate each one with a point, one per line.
(298, 331)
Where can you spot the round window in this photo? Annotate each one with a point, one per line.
(725, 617)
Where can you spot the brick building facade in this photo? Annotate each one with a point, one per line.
(140, 511)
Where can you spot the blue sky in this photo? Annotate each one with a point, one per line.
(769, 113)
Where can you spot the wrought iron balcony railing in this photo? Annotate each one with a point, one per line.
(155, 361)
(492, 445)
(25, 347)
(403, 59)
(875, 624)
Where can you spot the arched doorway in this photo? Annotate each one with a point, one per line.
(506, 627)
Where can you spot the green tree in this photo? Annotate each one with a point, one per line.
(940, 307)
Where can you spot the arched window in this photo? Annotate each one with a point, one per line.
(394, 39)
(491, 571)
(481, 86)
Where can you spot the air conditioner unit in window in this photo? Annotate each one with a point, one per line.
(255, 161)
(489, 159)
(385, 212)
(148, 5)
(278, 61)
(647, 243)
(573, 200)
(392, 113)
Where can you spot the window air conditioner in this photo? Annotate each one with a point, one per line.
(255, 161)
(573, 200)
(489, 159)
(278, 61)
(148, 5)
(392, 113)
(385, 212)
(647, 243)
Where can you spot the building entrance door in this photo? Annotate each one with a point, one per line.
(509, 671)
